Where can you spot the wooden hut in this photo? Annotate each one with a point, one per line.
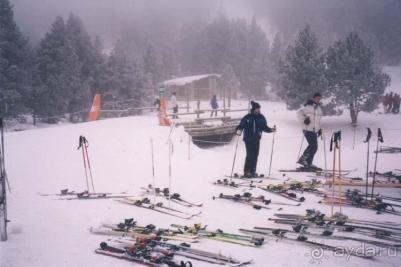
(201, 87)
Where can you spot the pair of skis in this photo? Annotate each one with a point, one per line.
(325, 234)
(219, 235)
(174, 197)
(281, 191)
(66, 194)
(158, 207)
(258, 202)
(303, 239)
(141, 255)
(187, 251)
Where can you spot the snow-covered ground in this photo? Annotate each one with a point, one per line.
(48, 232)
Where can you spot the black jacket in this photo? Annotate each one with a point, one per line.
(253, 125)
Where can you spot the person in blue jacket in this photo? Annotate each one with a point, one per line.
(214, 105)
(252, 125)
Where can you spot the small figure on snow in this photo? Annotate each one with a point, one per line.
(310, 116)
(174, 105)
(253, 124)
(157, 103)
(390, 102)
(214, 105)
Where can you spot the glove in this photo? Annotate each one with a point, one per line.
(274, 129)
(238, 132)
(307, 121)
(319, 133)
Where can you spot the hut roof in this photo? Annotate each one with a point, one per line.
(188, 79)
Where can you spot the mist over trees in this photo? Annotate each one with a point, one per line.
(125, 48)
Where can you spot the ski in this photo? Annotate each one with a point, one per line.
(243, 177)
(313, 170)
(93, 196)
(67, 192)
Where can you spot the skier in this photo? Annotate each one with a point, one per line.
(214, 105)
(174, 105)
(253, 124)
(310, 116)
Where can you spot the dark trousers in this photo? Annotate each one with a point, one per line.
(175, 110)
(310, 151)
(213, 111)
(252, 153)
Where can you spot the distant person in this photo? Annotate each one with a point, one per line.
(390, 102)
(157, 103)
(174, 105)
(214, 105)
(310, 116)
(253, 124)
(396, 104)
(385, 102)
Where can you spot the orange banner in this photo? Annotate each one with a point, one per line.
(94, 113)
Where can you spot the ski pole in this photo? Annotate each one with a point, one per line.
(235, 155)
(89, 164)
(324, 148)
(171, 131)
(333, 147)
(379, 139)
(353, 145)
(189, 147)
(153, 172)
(339, 165)
(169, 172)
(81, 141)
(272, 150)
(2, 155)
(369, 135)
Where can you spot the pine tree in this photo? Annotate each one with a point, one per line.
(302, 71)
(229, 83)
(15, 59)
(57, 74)
(353, 79)
(126, 80)
(276, 52)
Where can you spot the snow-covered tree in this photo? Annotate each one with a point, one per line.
(353, 79)
(15, 60)
(229, 82)
(57, 73)
(303, 70)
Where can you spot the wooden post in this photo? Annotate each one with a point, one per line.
(224, 101)
(187, 91)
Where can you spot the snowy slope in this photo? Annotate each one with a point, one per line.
(49, 232)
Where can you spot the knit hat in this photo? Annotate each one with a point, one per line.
(317, 95)
(254, 105)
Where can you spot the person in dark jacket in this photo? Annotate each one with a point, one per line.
(252, 125)
(214, 105)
